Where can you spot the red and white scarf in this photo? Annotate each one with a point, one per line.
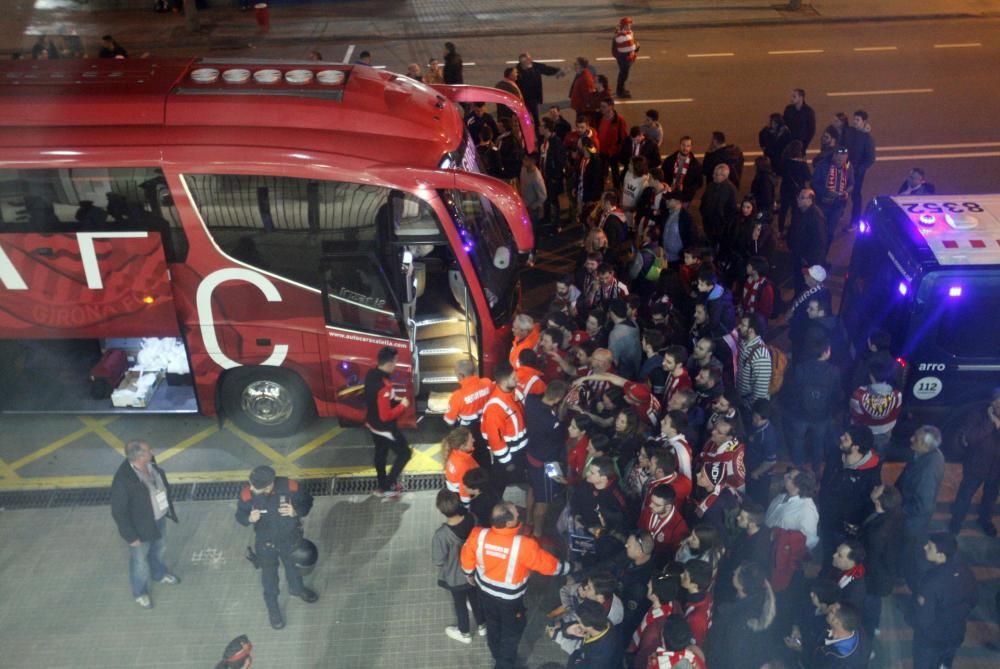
(850, 575)
(655, 613)
(751, 290)
(681, 164)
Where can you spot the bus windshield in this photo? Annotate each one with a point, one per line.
(488, 241)
(464, 157)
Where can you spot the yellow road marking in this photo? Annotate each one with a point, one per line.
(423, 459)
(7, 472)
(97, 427)
(309, 447)
(187, 443)
(258, 445)
(55, 445)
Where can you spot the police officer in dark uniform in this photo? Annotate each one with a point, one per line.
(274, 505)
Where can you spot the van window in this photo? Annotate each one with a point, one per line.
(960, 330)
(286, 225)
(89, 200)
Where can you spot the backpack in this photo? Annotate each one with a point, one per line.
(779, 364)
(655, 267)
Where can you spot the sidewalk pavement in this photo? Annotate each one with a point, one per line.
(230, 31)
(63, 579)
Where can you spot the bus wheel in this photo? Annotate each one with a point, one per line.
(268, 402)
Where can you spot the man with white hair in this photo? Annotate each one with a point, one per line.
(140, 505)
(526, 335)
(919, 484)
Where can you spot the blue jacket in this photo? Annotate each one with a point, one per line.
(548, 433)
(600, 653)
(762, 446)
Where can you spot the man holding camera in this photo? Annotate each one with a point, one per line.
(275, 505)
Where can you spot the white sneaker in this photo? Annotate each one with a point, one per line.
(482, 630)
(169, 579)
(454, 633)
(144, 601)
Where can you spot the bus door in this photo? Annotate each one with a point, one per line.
(363, 314)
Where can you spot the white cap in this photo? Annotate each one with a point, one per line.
(817, 273)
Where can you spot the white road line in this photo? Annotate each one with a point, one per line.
(941, 156)
(347, 56)
(711, 55)
(649, 102)
(469, 64)
(876, 48)
(964, 45)
(612, 58)
(897, 91)
(910, 147)
(539, 60)
(790, 52)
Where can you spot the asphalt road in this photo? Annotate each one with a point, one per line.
(930, 89)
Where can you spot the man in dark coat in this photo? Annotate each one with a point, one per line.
(919, 484)
(719, 207)
(807, 235)
(718, 153)
(529, 79)
(980, 439)
(861, 151)
(844, 492)
(882, 536)
(943, 600)
(140, 506)
(552, 161)
(602, 645)
(800, 118)
(682, 171)
(845, 646)
(452, 65)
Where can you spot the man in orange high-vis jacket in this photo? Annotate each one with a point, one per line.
(504, 429)
(499, 560)
(526, 335)
(465, 405)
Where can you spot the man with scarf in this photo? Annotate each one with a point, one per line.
(664, 521)
(833, 182)
(848, 571)
(662, 593)
(714, 498)
(682, 171)
(844, 493)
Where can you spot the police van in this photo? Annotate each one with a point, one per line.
(926, 269)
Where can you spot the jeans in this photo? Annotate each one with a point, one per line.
(398, 446)
(553, 215)
(856, 201)
(832, 212)
(928, 655)
(460, 596)
(146, 561)
(871, 614)
(505, 621)
(818, 434)
(963, 498)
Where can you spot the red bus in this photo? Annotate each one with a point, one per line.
(253, 231)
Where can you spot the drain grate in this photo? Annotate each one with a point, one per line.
(206, 492)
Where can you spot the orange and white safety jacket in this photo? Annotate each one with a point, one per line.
(624, 44)
(531, 341)
(503, 425)
(455, 467)
(529, 382)
(503, 559)
(465, 406)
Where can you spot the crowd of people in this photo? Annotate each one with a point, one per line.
(711, 498)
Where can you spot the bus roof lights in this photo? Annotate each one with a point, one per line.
(927, 219)
(955, 291)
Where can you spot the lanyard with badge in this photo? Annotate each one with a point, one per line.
(159, 494)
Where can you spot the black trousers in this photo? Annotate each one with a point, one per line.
(268, 556)
(460, 597)
(505, 621)
(402, 451)
(624, 65)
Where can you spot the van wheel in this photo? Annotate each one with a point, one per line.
(267, 402)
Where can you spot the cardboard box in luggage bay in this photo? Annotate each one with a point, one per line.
(136, 389)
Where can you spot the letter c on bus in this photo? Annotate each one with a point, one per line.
(207, 322)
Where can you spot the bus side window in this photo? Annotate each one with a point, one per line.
(91, 199)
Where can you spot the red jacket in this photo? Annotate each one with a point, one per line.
(699, 618)
(581, 94)
(667, 532)
(612, 132)
(788, 549)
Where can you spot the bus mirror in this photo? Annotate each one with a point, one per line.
(501, 259)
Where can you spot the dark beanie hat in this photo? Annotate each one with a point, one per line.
(261, 477)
